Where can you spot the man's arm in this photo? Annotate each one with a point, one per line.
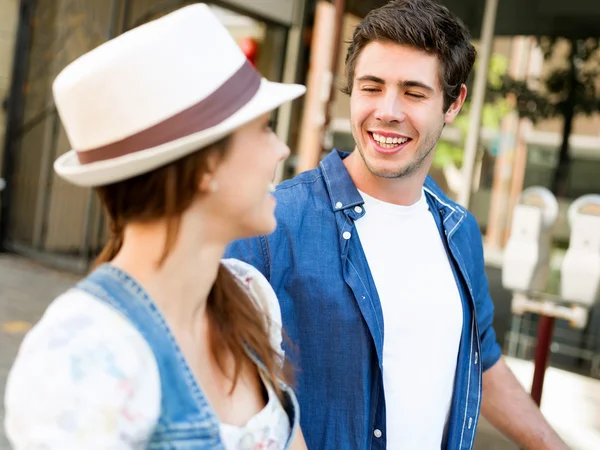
(509, 408)
(504, 403)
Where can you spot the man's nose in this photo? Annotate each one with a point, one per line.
(390, 109)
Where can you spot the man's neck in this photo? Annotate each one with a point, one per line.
(404, 191)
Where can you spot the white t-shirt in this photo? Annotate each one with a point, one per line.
(422, 315)
(85, 378)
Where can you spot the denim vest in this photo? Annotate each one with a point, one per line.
(187, 421)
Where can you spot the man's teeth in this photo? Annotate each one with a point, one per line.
(271, 187)
(389, 142)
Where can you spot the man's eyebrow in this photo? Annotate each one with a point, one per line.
(372, 78)
(417, 84)
(404, 84)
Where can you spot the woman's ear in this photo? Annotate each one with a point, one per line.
(208, 182)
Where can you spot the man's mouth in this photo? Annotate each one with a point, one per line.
(388, 140)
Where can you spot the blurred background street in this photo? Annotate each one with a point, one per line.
(529, 139)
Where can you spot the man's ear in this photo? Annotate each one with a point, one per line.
(456, 105)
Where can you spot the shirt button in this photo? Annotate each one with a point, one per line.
(377, 433)
(358, 209)
(338, 205)
(346, 235)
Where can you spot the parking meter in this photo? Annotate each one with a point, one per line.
(580, 271)
(526, 261)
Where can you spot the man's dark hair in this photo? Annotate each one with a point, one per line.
(422, 24)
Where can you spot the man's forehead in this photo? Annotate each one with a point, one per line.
(395, 63)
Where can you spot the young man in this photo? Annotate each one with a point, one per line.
(379, 275)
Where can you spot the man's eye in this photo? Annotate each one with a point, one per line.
(370, 90)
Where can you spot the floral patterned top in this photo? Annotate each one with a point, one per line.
(267, 430)
(85, 378)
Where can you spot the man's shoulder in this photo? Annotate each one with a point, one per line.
(297, 191)
(437, 192)
(303, 181)
(297, 198)
(442, 198)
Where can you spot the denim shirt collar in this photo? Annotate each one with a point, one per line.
(344, 195)
(342, 191)
(452, 214)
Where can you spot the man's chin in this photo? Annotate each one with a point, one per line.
(390, 174)
(389, 171)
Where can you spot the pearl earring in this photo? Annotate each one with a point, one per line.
(213, 186)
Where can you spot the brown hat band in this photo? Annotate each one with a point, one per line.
(212, 110)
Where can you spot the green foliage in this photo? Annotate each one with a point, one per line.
(564, 90)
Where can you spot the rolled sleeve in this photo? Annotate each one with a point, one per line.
(490, 349)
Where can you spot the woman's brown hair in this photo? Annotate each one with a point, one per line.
(235, 320)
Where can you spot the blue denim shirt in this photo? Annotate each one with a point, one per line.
(332, 313)
(187, 420)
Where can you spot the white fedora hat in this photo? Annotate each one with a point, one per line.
(155, 94)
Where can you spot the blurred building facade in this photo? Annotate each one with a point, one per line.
(8, 32)
(43, 216)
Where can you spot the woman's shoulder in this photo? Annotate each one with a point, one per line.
(77, 318)
(82, 359)
(257, 285)
(244, 271)
(261, 291)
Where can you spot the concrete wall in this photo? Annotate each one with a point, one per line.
(8, 30)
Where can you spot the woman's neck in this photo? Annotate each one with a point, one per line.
(180, 285)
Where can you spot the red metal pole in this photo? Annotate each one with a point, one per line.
(542, 351)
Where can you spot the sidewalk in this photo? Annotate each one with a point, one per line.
(26, 289)
(571, 402)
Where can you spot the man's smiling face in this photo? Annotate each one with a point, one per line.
(396, 109)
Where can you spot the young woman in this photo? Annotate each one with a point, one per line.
(164, 345)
